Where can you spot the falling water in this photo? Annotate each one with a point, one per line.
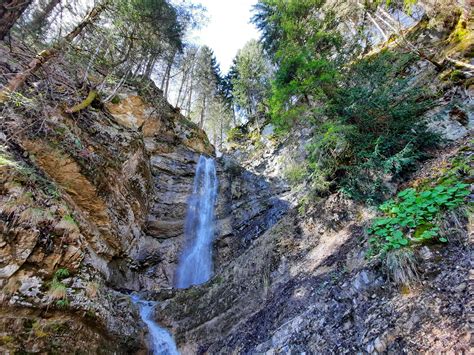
(195, 266)
(162, 343)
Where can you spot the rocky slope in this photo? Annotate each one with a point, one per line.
(306, 286)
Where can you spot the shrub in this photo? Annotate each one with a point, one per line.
(57, 290)
(235, 134)
(374, 132)
(61, 273)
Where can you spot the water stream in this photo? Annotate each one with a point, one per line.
(161, 341)
(195, 265)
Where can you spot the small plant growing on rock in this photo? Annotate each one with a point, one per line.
(57, 290)
(413, 217)
(401, 266)
(61, 273)
(296, 173)
(63, 303)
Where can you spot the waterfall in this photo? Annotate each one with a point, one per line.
(195, 265)
(162, 343)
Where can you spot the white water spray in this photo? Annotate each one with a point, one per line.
(161, 341)
(195, 265)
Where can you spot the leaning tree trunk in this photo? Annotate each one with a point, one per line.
(19, 79)
(10, 12)
(40, 16)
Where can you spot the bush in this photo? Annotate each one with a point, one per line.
(235, 134)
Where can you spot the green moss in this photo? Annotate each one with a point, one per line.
(456, 75)
(460, 32)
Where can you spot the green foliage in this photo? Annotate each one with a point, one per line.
(61, 273)
(62, 303)
(412, 217)
(365, 113)
(250, 79)
(374, 131)
(296, 173)
(57, 289)
(235, 134)
(303, 45)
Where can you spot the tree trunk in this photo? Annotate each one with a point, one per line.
(10, 12)
(150, 65)
(19, 79)
(201, 120)
(234, 116)
(221, 133)
(190, 95)
(168, 74)
(180, 91)
(40, 16)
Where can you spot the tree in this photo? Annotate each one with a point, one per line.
(207, 77)
(251, 78)
(226, 90)
(304, 42)
(10, 12)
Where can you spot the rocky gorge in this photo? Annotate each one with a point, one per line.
(93, 207)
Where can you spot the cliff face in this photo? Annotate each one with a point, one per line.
(91, 203)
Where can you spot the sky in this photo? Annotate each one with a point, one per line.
(228, 29)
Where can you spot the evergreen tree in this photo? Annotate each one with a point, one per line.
(251, 78)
